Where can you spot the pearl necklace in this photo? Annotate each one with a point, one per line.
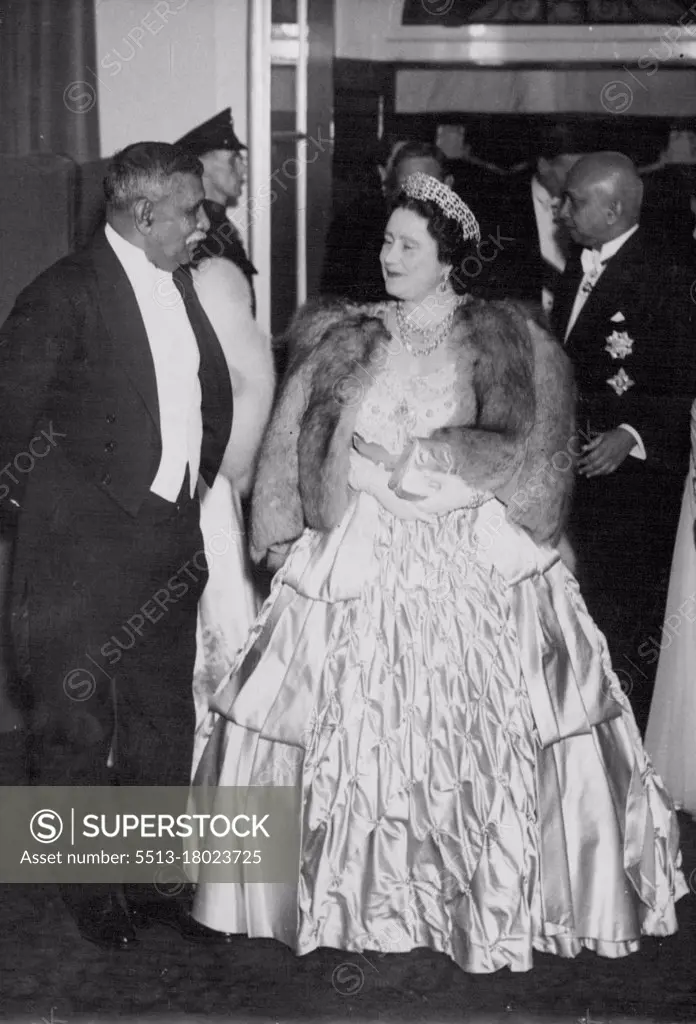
(436, 336)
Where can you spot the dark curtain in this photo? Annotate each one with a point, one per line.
(48, 94)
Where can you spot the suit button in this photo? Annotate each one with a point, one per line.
(110, 447)
(106, 479)
(110, 418)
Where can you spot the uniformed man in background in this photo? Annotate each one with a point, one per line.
(224, 174)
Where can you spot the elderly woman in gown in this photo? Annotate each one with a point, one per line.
(425, 674)
(231, 599)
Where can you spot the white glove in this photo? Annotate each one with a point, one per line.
(446, 492)
(435, 491)
(366, 476)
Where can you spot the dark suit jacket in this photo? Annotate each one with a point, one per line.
(351, 266)
(78, 393)
(623, 524)
(667, 218)
(518, 270)
(639, 285)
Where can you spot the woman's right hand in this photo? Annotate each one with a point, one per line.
(277, 555)
(374, 452)
(373, 479)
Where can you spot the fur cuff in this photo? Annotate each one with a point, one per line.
(488, 452)
(540, 499)
(302, 475)
(329, 422)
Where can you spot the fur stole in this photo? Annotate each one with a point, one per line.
(524, 393)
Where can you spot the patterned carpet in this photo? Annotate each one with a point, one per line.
(49, 974)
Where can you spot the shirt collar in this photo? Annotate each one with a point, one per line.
(132, 258)
(610, 249)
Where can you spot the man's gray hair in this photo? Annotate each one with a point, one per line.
(145, 170)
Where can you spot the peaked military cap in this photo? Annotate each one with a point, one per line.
(217, 133)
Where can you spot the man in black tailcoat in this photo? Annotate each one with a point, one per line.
(627, 320)
(114, 393)
(222, 156)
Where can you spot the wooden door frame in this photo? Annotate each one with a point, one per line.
(314, 127)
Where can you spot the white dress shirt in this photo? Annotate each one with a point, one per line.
(593, 264)
(547, 230)
(547, 226)
(176, 358)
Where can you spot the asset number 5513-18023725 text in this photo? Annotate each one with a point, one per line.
(198, 857)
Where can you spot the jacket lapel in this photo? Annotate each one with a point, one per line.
(123, 320)
(602, 295)
(565, 296)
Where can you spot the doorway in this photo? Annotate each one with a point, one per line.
(291, 143)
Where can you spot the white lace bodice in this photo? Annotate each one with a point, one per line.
(397, 408)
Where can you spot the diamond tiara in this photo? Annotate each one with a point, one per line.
(424, 186)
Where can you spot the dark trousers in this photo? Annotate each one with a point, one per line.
(622, 528)
(110, 643)
(111, 617)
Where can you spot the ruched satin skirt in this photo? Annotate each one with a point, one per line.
(471, 774)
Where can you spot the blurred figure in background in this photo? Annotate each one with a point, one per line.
(669, 738)
(535, 246)
(355, 238)
(224, 280)
(409, 158)
(670, 184)
(232, 597)
(224, 174)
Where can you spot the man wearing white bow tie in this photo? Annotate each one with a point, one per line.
(627, 320)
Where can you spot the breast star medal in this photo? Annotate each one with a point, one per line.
(620, 382)
(619, 345)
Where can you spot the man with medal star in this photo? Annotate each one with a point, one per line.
(627, 319)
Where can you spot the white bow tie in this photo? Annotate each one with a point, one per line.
(591, 261)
